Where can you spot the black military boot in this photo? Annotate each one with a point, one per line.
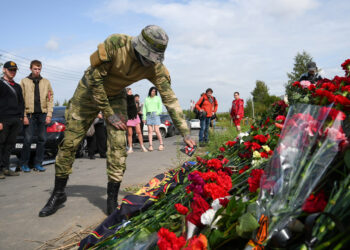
(58, 197)
(112, 196)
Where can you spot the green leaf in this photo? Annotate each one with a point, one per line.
(347, 157)
(143, 234)
(216, 237)
(247, 224)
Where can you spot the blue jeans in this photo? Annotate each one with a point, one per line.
(205, 122)
(37, 123)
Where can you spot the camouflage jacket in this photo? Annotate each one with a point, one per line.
(114, 66)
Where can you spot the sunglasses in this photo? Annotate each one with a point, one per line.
(12, 70)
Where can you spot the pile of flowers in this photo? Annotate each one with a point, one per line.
(264, 187)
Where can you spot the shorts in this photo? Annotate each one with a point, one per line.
(237, 122)
(153, 119)
(133, 122)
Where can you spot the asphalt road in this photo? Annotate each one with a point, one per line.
(22, 197)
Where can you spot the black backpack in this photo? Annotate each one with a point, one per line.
(197, 112)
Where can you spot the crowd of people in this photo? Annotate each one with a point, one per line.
(103, 103)
(27, 105)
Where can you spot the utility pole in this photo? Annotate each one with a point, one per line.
(253, 107)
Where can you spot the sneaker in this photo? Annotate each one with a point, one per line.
(10, 172)
(2, 176)
(39, 168)
(25, 169)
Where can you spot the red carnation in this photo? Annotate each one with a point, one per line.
(315, 203)
(346, 65)
(181, 208)
(214, 163)
(223, 202)
(231, 143)
(312, 87)
(168, 240)
(242, 170)
(254, 180)
(264, 155)
(215, 191)
(296, 84)
(222, 149)
(342, 100)
(199, 206)
(224, 161)
(255, 146)
(260, 138)
(280, 118)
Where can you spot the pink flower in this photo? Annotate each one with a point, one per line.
(305, 84)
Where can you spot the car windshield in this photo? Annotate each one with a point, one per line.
(163, 118)
(58, 112)
(194, 120)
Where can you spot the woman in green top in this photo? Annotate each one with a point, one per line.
(152, 108)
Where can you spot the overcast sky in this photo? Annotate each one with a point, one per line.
(225, 45)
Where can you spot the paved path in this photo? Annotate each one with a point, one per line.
(22, 197)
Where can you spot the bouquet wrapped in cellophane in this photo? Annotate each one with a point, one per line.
(310, 139)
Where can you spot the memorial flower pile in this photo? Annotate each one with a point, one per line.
(285, 183)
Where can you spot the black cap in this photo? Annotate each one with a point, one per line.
(311, 66)
(10, 65)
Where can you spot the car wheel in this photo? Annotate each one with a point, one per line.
(162, 132)
(18, 155)
(172, 132)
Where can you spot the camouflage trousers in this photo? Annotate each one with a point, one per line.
(80, 114)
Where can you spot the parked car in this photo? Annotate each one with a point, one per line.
(172, 130)
(162, 128)
(54, 136)
(195, 124)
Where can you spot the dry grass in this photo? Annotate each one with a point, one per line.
(69, 239)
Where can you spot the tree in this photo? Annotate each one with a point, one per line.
(65, 103)
(301, 60)
(57, 103)
(261, 100)
(261, 92)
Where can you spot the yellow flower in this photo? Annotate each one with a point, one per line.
(266, 148)
(256, 154)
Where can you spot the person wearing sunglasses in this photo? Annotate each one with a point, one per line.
(119, 61)
(11, 113)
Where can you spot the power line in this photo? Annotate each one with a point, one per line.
(48, 66)
(62, 75)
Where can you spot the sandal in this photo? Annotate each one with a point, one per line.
(150, 148)
(144, 149)
(161, 147)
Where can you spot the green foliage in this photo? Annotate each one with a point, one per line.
(65, 103)
(300, 61)
(262, 100)
(57, 103)
(189, 114)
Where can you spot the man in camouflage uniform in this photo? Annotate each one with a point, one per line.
(118, 62)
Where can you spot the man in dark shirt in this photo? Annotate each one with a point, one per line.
(312, 74)
(11, 113)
